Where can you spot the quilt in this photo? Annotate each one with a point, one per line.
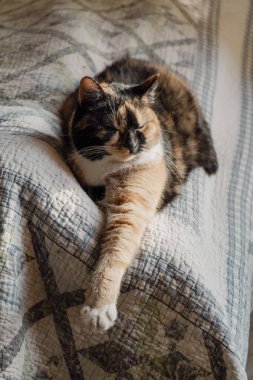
(185, 304)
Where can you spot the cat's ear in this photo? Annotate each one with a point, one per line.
(146, 89)
(90, 92)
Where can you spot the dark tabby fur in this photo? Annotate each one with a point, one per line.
(130, 106)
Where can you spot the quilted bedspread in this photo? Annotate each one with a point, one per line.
(185, 302)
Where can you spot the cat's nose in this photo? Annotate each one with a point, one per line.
(129, 142)
(133, 149)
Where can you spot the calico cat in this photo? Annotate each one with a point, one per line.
(135, 131)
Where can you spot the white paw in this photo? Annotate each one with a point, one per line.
(101, 318)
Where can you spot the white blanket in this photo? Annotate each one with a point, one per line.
(185, 302)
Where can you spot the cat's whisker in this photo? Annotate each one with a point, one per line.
(94, 151)
(169, 162)
(176, 173)
(94, 148)
(171, 165)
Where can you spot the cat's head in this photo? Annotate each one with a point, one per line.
(115, 119)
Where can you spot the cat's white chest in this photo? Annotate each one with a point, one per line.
(94, 173)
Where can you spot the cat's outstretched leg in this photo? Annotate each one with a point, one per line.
(132, 198)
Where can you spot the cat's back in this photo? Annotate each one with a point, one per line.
(128, 71)
(172, 91)
(132, 71)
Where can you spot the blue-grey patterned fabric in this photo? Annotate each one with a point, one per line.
(185, 302)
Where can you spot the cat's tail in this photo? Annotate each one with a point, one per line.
(207, 157)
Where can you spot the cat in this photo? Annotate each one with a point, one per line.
(132, 134)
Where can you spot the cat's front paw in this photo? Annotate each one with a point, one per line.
(101, 318)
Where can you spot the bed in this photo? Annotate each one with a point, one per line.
(185, 303)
